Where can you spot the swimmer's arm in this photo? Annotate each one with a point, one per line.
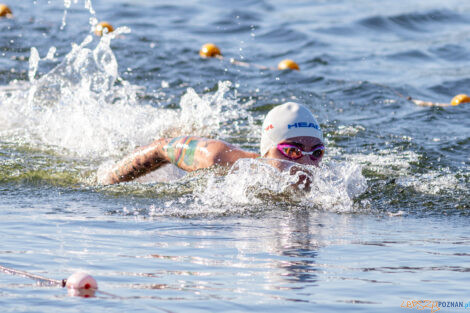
(192, 153)
(187, 152)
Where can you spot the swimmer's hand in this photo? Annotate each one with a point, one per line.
(304, 178)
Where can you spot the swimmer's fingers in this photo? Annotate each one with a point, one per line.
(295, 169)
(304, 178)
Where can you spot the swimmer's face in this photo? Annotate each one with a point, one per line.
(303, 143)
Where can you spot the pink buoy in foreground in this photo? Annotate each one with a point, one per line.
(81, 284)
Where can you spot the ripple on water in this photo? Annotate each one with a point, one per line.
(411, 22)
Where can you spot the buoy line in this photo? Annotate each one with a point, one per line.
(79, 284)
(210, 50)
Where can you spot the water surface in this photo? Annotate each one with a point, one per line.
(385, 222)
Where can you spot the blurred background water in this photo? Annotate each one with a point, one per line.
(386, 220)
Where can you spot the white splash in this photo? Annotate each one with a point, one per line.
(87, 5)
(33, 63)
(82, 107)
(254, 183)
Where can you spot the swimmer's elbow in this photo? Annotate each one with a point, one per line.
(221, 158)
(215, 158)
(219, 153)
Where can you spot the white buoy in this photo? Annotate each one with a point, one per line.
(81, 284)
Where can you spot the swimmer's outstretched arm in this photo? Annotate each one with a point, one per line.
(187, 152)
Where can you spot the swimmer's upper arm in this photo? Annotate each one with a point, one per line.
(193, 153)
(228, 154)
(210, 152)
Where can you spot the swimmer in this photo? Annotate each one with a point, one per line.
(290, 132)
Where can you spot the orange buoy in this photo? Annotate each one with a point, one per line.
(103, 28)
(5, 10)
(288, 65)
(458, 99)
(209, 50)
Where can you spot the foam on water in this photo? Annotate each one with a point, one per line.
(433, 182)
(252, 185)
(387, 161)
(394, 163)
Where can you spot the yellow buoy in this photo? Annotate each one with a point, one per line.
(288, 65)
(103, 28)
(209, 50)
(458, 99)
(5, 11)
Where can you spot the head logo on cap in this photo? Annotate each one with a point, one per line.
(303, 124)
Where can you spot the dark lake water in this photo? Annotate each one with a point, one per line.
(387, 218)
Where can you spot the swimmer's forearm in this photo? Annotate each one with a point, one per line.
(140, 162)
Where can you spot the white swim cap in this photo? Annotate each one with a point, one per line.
(286, 121)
